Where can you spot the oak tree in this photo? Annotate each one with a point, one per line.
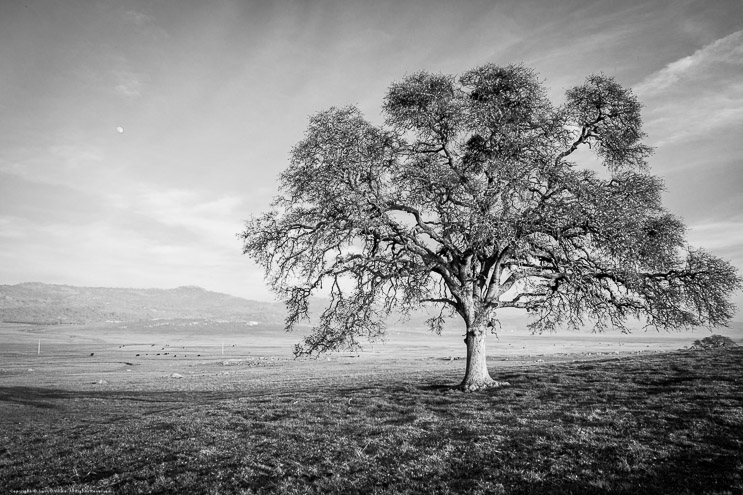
(470, 197)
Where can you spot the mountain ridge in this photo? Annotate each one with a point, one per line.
(50, 304)
(40, 303)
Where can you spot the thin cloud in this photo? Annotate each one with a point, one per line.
(697, 95)
(213, 220)
(137, 18)
(724, 237)
(61, 165)
(127, 84)
(111, 71)
(12, 227)
(145, 24)
(725, 51)
(125, 81)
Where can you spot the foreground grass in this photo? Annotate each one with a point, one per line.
(670, 423)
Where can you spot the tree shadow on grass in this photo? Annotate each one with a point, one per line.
(43, 398)
(440, 387)
(20, 403)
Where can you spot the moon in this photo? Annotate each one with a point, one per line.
(120, 130)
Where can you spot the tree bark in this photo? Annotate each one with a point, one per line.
(476, 377)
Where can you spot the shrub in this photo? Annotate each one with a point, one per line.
(714, 341)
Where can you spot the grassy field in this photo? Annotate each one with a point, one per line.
(257, 422)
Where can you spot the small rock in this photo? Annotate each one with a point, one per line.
(176, 375)
(101, 382)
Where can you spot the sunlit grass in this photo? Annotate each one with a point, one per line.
(670, 423)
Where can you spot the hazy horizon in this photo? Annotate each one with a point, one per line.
(138, 136)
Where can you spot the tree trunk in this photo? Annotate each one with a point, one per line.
(476, 377)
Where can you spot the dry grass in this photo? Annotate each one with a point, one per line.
(665, 423)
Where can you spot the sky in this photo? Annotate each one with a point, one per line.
(137, 137)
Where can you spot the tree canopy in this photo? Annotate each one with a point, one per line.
(470, 196)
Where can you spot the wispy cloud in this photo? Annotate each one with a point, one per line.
(215, 220)
(111, 72)
(137, 18)
(12, 227)
(60, 165)
(122, 78)
(697, 95)
(724, 238)
(127, 84)
(725, 51)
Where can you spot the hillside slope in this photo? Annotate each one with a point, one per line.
(49, 304)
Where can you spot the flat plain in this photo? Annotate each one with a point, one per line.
(200, 406)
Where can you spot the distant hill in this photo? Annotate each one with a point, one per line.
(47, 304)
(51, 304)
